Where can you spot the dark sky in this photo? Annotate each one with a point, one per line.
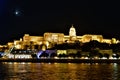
(38, 16)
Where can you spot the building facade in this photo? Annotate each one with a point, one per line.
(49, 38)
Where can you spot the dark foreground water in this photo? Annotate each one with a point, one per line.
(59, 71)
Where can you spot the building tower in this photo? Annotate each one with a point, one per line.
(72, 33)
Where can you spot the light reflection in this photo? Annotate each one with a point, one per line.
(9, 62)
(62, 71)
(42, 62)
(55, 63)
(49, 63)
(115, 64)
(23, 63)
(15, 63)
(69, 63)
(96, 63)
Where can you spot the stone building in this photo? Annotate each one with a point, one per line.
(49, 38)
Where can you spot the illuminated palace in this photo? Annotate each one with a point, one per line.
(50, 38)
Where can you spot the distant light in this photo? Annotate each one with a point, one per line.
(16, 12)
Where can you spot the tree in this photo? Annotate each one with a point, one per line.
(93, 53)
(106, 55)
(72, 55)
(53, 55)
(34, 56)
(78, 54)
(100, 55)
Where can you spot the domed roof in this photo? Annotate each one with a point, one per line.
(72, 31)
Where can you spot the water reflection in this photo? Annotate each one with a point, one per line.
(59, 71)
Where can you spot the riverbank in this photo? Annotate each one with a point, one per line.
(63, 60)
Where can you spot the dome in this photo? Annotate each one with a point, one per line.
(72, 31)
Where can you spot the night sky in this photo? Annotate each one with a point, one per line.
(34, 17)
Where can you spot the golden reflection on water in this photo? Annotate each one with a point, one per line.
(59, 71)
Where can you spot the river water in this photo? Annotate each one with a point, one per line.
(59, 71)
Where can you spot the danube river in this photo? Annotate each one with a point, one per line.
(59, 71)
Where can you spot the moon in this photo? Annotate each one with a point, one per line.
(17, 13)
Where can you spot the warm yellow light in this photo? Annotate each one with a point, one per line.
(43, 48)
(18, 46)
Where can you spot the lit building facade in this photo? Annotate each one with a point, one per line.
(89, 37)
(54, 37)
(35, 39)
(50, 38)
